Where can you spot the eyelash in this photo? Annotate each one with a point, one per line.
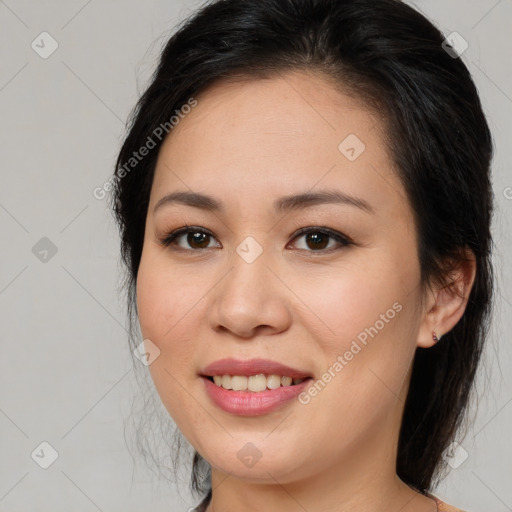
(342, 240)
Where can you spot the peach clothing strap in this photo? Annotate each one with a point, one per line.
(444, 507)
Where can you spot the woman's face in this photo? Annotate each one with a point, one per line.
(245, 284)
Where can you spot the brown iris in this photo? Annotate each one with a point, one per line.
(201, 239)
(319, 240)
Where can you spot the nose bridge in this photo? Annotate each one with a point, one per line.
(250, 295)
(249, 276)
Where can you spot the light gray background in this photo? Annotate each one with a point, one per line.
(66, 372)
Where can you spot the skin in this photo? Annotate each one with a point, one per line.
(248, 143)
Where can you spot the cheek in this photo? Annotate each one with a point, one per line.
(162, 299)
(166, 317)
(364, 313)
(151, 298)
(347, 300)
(366, 346)
(167, 314)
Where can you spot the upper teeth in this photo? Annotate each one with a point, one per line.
(254, 383)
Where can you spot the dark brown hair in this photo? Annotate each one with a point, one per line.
(390, 56)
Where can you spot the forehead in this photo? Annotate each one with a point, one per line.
(256, 138)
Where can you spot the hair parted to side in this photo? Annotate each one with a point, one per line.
(390, 56)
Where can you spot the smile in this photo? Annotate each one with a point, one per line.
(253, 403)
(253, 383)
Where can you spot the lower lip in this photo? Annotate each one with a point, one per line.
(248, 403)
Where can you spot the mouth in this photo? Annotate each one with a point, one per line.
(255, 394)
(254, 383)
(253, 387)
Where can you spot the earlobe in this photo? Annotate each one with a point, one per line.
(449, 302)
(436, 337)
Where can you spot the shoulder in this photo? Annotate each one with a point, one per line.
(444, 507)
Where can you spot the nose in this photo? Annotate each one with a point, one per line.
(250, 300)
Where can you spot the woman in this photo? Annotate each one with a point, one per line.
(304, 202)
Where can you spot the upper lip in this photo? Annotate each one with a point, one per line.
(230, 366)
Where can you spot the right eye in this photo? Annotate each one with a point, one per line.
(196, 238)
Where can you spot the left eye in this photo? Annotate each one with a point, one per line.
(318, 239)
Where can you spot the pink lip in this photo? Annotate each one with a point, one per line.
(247, 403)
(231, 366)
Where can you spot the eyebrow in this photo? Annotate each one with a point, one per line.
(281, 205)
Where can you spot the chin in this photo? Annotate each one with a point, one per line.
(254, 461)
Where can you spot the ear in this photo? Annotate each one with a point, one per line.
(445, 305)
